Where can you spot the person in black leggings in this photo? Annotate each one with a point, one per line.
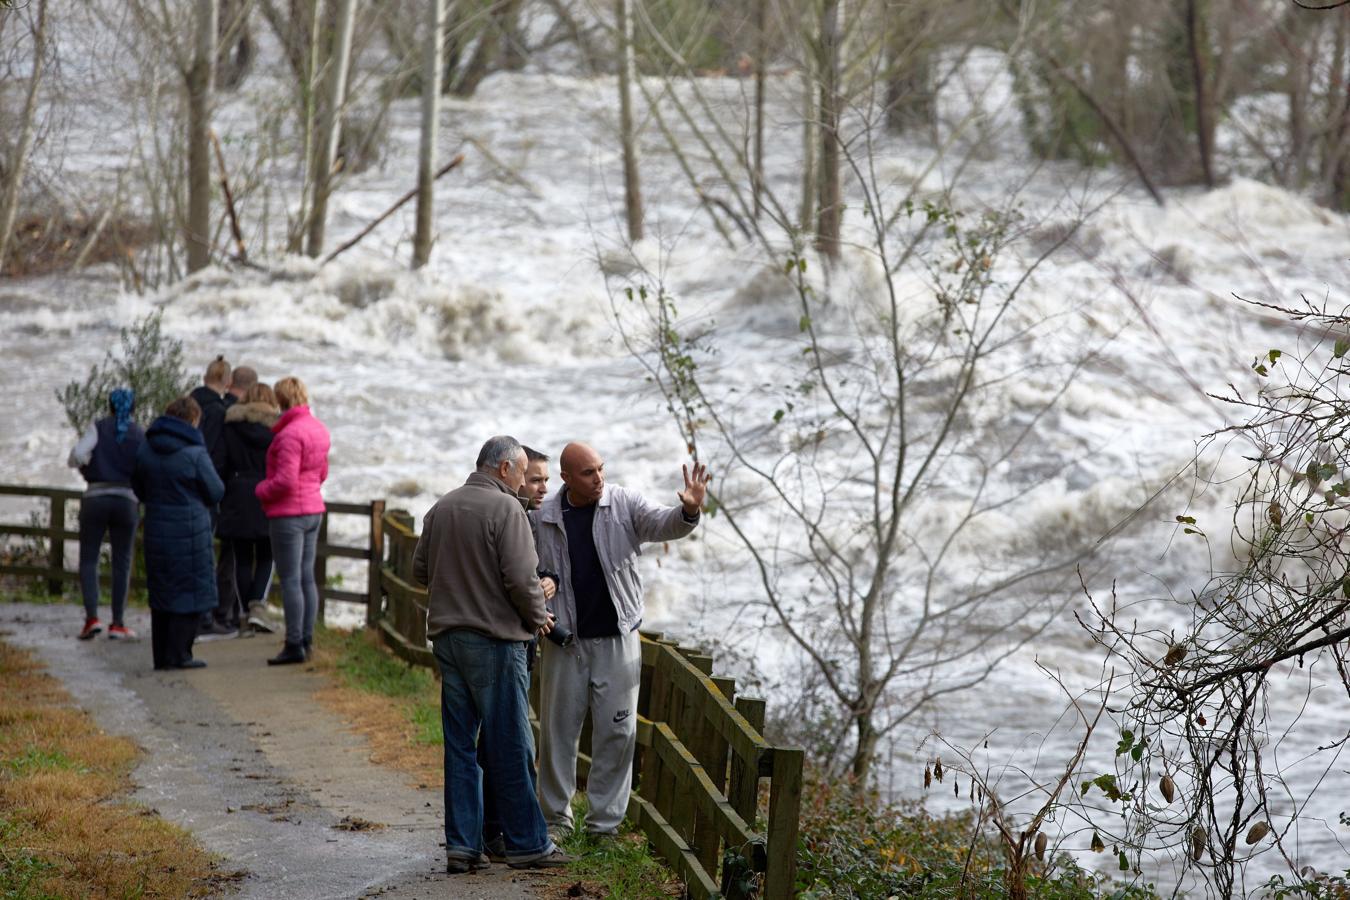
(243, 527)
(106, 456)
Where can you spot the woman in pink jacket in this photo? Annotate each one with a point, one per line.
(297, 464)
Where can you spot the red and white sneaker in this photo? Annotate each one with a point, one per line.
(92, 626)
(121, 633)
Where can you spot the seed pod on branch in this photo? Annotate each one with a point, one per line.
(1169, 790)
(1041, 842)
(1097, 844)
(1197, 843)
(1256, 832)
(1175, 654)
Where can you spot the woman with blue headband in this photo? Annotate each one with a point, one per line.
(106, 457)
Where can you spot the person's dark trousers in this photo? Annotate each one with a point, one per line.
(115, 516)
(252, 568)
(171, 636)
(484, 700)
(492, 820)
(227, 589)
(294, 545)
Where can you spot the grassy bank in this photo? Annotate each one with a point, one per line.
(397, 708)
(66, 829)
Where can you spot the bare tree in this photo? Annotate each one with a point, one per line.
(200, 78)
(627, 61)
(330, 130)
(1212, 702)
(829, 203)
(426, 156)
(11, 176)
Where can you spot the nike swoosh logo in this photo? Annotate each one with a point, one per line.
(620, 716)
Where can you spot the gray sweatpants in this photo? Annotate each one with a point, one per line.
(601, 674)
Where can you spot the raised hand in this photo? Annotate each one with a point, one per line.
(695, 488)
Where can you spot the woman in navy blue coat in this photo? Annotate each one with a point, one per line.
(178, 484)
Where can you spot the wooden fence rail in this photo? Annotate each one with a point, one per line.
(701, 760)
(57, 535)
(701, 757)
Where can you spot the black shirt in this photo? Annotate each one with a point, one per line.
(596, 615)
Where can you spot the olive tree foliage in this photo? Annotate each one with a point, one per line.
(146, 360)
(870, 482)
(1260, 654)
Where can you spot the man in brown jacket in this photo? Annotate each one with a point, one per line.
(484, 604)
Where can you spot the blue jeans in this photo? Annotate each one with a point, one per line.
(484, 688)
(294, 539)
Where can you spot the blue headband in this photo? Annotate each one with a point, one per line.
(123, 400)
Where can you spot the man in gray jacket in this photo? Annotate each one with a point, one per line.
(484, 604)
(591, 534)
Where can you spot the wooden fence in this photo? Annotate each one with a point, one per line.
(56, 533)
(701, 759)
(702, 767)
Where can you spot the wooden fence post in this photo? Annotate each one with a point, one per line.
(56, 556)
(321, 565)
(374, 587)
(743, 790)
(785, 802)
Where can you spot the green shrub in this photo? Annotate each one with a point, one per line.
(852, 845)
(146, 360)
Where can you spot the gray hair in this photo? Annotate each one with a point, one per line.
(497, 450)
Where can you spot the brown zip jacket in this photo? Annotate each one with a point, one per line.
(476, 556)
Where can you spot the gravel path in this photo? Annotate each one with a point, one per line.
(242, 756)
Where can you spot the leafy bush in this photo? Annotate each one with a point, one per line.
(146, 360)
(854, 846)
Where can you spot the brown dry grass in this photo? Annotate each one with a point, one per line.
(385, 722)
(64, 829)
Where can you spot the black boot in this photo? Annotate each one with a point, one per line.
(308, 648)
(290, 654)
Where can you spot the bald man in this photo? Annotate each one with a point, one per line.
(592, 534)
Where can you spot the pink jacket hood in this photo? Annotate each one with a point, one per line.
(297, 464)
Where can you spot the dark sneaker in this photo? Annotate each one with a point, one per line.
(92, 626)
(193, 664)
(455, 865)
(216, 631)
(553, 860)
(121, 633)
(496, 849)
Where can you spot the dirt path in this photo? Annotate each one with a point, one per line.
(242, 756)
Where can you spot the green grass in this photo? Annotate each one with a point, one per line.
(625, 867)
(365, 667)
(36, 759)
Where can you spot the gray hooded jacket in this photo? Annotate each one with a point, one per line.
(624, 521)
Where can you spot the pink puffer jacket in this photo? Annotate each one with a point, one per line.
(297, 464)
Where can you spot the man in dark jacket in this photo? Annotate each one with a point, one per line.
(213, 397)
(176, 481)
(484, 604)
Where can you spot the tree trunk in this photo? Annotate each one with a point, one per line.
(910, 102)
(13, 179)
(829, 213)
(331, 130)
(234, 58)
(806, 210)
(865, 753)
(426, 157)
(454, 46)
(1204, 113)
(199, 80)
(485, 53)
(761, 63)
(632, 189)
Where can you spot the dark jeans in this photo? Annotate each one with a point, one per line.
(294, 542)
(171, 636)
(252, 568)
(227, 589)
(484, 701)
(115, 516)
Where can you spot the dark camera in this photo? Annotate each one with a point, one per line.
(560, 635)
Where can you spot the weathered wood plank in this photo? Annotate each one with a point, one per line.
(785, 802)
